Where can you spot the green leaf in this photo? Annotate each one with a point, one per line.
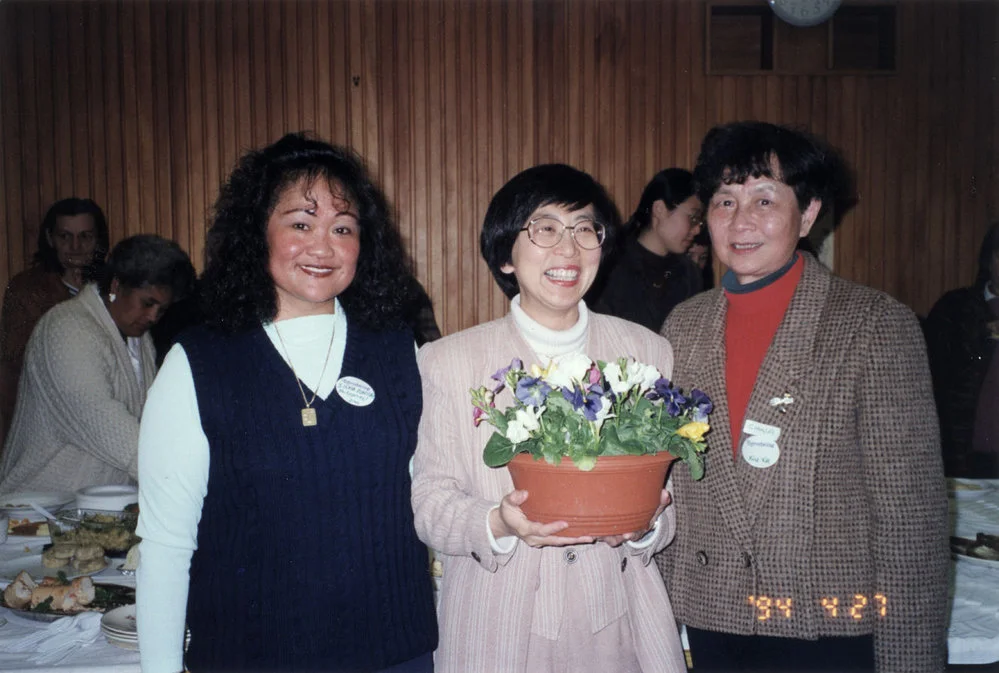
(499, 451)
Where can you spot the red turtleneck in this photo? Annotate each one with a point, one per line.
(751, 322)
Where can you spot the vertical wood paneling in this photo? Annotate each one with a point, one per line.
(145, 106)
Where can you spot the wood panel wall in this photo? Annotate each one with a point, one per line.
(145, 105)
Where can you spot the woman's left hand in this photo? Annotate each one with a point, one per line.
(617, 540)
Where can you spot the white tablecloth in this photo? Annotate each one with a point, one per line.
(973, 635)
(98, 657)
(972, 638)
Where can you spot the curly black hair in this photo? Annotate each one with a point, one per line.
(46, 255)
(238, 291)
(524, 193)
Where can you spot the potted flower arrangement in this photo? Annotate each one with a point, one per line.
(621, 424)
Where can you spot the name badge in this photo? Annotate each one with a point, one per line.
(355, 392)
(760, 452)
(755, 429)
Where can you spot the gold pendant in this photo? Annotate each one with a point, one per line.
(308, 417)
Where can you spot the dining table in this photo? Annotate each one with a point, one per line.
(973, 631)
(97, 656)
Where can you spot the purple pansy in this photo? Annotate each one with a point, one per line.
(500, 375)
(589, 403)
(671, 397)
(532, 391)
(701, 404)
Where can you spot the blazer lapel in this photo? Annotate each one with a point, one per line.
(721, 474)
(779, 395)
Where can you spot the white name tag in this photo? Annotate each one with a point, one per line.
(755, 429)
(355, 392)
(760, 452)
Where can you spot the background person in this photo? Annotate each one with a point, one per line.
(516, 597)
(87, 368)
(274, 498)
(818, 537)
(652, 273)
(72, 244)
(962, 331)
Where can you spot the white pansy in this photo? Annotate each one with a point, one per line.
(617, 382)
(524, 422)
(642, 375)
(568, 370)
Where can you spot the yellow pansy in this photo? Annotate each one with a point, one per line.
(693, 431)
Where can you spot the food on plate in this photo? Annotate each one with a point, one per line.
(955, 485)
(58, 555)
(26, 527)
(59, 597)
(85, 558)
(17, 595)
(983, 546)
(115, 532)
(72, 597)
(131, 559)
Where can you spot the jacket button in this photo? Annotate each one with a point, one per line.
(570, 556)
(702, 558)
(624, 564)
(476, 557)
(747, 560)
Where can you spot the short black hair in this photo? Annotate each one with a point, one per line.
(733, 153)
(46, 254)
(524, 193)
(147, 260)
(672, 186)
(238, 291)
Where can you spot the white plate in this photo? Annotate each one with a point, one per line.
(111, 498)
(989, 563)
(120, 619)
(19, 509)
(9, 568)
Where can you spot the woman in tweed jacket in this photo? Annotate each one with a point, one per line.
(818, 537)
(516, 596)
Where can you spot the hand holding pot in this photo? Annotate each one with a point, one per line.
(665, 498)
(509, 519)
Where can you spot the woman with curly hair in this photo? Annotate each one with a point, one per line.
(275, 446)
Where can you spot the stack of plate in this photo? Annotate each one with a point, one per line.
(118, 626)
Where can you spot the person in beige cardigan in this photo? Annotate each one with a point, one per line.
(87, 367)
(516, 596)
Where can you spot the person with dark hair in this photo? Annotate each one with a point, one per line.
(274, 450)
(817, 539)
(72, 244)
(962, 331)
(699, 253)
(652, 273)
(551, 602)
(87, 368)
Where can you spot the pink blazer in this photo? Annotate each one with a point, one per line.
(489, 601)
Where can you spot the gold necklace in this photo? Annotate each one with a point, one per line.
(308, 413)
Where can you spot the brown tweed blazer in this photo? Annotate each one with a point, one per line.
(854, 510)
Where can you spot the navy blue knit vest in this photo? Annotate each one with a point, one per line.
(307, 556)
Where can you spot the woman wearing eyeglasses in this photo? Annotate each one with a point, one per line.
(651, 272)
(516, 595)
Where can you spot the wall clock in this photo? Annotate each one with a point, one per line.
(804, 12)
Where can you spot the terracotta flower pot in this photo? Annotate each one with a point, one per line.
(618, 496)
